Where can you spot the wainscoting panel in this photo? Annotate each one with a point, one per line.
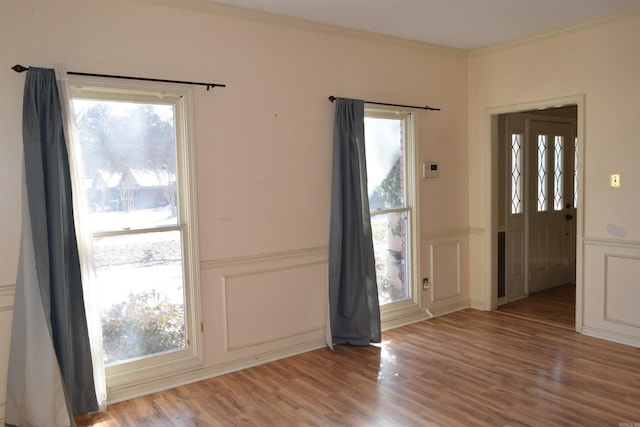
(611, 292)
(445, 270)
(254, 309)
(621, 297)
(264, 305)
(446, 263)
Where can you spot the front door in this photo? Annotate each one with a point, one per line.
(540, 204)
(551, 207)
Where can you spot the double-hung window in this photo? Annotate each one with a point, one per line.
(139, 190)
(390, 155)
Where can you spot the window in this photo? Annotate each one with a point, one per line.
(558, 172)
(543, 154)
(139, 187)
(390, 179)
(516, 173)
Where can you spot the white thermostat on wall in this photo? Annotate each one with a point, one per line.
(430, 170)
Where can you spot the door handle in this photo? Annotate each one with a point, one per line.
(569, 217)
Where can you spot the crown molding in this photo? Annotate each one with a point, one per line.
(210, 6)
(628, 13)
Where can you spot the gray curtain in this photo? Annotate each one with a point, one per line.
(354, 310)
(55, 254)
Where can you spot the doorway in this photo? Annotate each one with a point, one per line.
(536, 186)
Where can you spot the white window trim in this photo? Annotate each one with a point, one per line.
(406, 311)
(141, 376)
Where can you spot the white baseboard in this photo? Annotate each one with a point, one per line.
(611, 336)
(455, 307)
(405, 320)
(119, 394)
(518, 298)
(478, 305)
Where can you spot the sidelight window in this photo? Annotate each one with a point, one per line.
(543, 154)
(516, 173)
(558, 180)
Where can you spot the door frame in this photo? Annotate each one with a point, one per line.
(491, 194)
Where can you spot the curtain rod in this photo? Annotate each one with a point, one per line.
(20, 69)
(333, 98)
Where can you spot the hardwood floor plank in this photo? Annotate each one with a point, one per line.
(468, 368)
(554, 307)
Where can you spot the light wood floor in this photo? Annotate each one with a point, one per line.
(464, 369)
(556, 306)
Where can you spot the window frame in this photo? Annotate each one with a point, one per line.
(392, 313)
(136, 372)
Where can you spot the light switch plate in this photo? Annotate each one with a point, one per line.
(615, 180)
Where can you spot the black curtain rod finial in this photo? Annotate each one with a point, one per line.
(19, 68)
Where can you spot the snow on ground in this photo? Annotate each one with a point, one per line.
(137, 263)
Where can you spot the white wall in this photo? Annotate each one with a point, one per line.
(599, 62)
(263, 148)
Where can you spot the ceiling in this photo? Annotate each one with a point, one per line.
(463, 24)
